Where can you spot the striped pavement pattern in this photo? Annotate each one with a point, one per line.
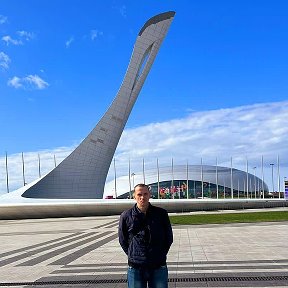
(63, 256)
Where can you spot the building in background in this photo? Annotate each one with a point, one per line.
(191, 182)
(285, 188)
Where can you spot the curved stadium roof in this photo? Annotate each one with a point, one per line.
(239, 178)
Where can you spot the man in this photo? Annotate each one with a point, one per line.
(145, 234)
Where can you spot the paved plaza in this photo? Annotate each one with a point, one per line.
(84, 252)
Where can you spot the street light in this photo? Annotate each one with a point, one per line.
(272, 164)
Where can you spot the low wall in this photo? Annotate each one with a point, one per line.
(78, 208)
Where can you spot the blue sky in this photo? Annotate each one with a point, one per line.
(62, 62)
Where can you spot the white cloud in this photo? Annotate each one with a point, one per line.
(247, 131)
(15, 82)
(4, 61)
(251, 126)
(9, 40)
(26, 35)
(69, 42)
(36, 81)
(3, 19)
(22, 37)
(95, 34)
(122, 10)
(28, 82)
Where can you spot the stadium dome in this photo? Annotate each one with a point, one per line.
(201, 181)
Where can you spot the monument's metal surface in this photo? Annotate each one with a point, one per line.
(83, 173)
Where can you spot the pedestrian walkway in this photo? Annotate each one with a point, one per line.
(84, 252)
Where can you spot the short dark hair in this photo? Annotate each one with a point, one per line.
(142, 185)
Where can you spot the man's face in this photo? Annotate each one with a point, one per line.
(142, 196)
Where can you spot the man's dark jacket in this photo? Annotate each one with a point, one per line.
(146, 239)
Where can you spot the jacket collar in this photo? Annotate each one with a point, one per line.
(136, 210)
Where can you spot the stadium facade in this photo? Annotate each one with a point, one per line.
(191, 182)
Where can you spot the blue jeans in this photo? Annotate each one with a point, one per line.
(156, 278)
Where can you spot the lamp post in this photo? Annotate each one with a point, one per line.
(272, 175)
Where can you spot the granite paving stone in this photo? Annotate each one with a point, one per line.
(68, 249)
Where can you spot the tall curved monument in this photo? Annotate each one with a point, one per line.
(83, 173)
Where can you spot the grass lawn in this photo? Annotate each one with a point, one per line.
(229, 218)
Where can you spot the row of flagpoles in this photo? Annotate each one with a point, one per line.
(23, 169)
(202, 181)
(158, 173)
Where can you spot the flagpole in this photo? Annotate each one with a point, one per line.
(278, 172)
(232, 189)
(23, 169)
(115, 182)
(238, 190)
(247, 178)
(202, 184)
(158, 176)
(39, 166)
(262, 171)
(217, 186)
(172, 166)
(187, 179)
(143, 167)
(129, 173)
(255, 188)
(7, 174)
